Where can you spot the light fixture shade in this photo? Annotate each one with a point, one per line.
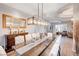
(35, 22)
(29, 21)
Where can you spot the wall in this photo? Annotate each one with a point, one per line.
(11, 11)
(37, 29)
(51, 28)
(1, 32)
(70, 27)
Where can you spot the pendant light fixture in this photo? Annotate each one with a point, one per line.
(33, 21)
(38, 21)
(30, 20)
(42, 10)
(38, 11)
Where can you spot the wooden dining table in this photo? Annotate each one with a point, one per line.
(36, 51)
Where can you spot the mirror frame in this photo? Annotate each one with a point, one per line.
(4, 25)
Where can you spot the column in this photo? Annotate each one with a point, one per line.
(76, 27)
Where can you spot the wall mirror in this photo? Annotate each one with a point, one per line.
(13, 22)
(7, 21)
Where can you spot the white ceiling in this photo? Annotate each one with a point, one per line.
(49, 9)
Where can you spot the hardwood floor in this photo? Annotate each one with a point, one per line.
(66, 46)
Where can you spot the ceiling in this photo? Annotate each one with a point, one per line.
(49, 9)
